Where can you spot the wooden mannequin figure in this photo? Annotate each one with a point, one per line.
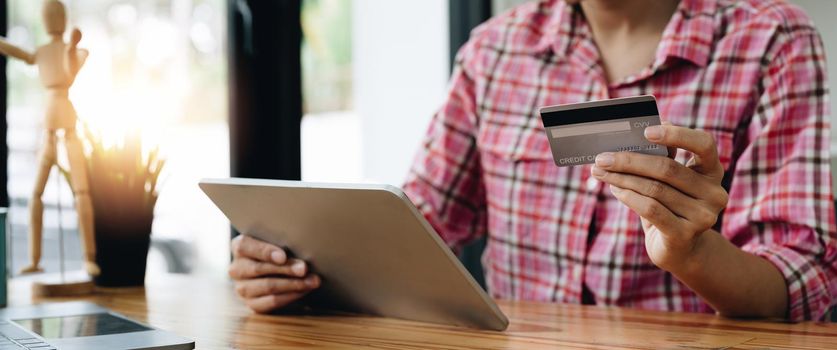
(58, 64)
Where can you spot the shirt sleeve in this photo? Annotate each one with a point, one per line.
(781, 206)
(445, 180)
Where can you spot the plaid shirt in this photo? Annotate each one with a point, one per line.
(749, 72)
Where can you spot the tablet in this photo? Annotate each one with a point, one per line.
(375, 252)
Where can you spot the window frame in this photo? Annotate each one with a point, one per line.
(265, 88)
(4, 125)
(465, 15)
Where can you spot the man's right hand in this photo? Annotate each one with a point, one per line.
(265, 277)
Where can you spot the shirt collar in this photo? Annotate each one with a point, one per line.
(688, 35)
(559, 30)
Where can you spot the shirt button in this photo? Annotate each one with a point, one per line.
(592, 182)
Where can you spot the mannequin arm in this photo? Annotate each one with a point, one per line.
(75, 59)
(75, 56)
(7, 49)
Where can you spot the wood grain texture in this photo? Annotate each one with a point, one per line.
(209, 312)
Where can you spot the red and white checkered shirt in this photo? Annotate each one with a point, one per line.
(750, 72)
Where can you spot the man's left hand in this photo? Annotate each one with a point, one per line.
(677, 202)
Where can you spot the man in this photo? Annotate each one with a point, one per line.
(741, 221)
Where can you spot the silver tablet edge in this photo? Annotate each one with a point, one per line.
(394, 191)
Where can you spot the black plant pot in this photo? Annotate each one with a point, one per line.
(122, 258)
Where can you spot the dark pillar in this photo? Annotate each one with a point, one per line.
(464, 16)
(265, 85)
(4, 125)
(265, 88)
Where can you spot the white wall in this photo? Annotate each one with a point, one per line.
(823, 13)
(400, 55)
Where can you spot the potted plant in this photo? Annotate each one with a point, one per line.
(123, 189)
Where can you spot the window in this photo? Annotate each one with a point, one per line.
(327, 93)
(156, 66)
(374, 73)
(372, 80)
(327, 55)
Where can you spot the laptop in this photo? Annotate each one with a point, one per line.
(375, 252)
(80, 326)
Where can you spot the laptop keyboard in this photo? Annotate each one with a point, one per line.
(19, 340)
(23, 344)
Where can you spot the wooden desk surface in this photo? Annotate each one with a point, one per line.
(209, 313)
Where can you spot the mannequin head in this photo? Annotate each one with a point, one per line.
(55, 17)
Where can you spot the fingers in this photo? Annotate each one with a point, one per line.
(256, 288)
(245, 268)
(649, 209)
(269, 303)
(693, 210)
(265, 277)
(699, 142)
(663, 169)
(249, 247)
(673, 199)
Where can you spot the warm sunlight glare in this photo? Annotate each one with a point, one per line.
(116, 95)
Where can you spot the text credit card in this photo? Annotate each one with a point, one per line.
(578, 132)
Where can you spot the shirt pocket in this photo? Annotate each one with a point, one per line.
(528, 196)
(519, 165)
(526, 143)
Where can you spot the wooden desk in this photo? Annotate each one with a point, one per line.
(210, 313)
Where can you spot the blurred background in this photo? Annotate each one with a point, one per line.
(371, 74)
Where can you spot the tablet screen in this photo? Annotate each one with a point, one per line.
(80, 326)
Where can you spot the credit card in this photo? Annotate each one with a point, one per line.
(578, 132)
